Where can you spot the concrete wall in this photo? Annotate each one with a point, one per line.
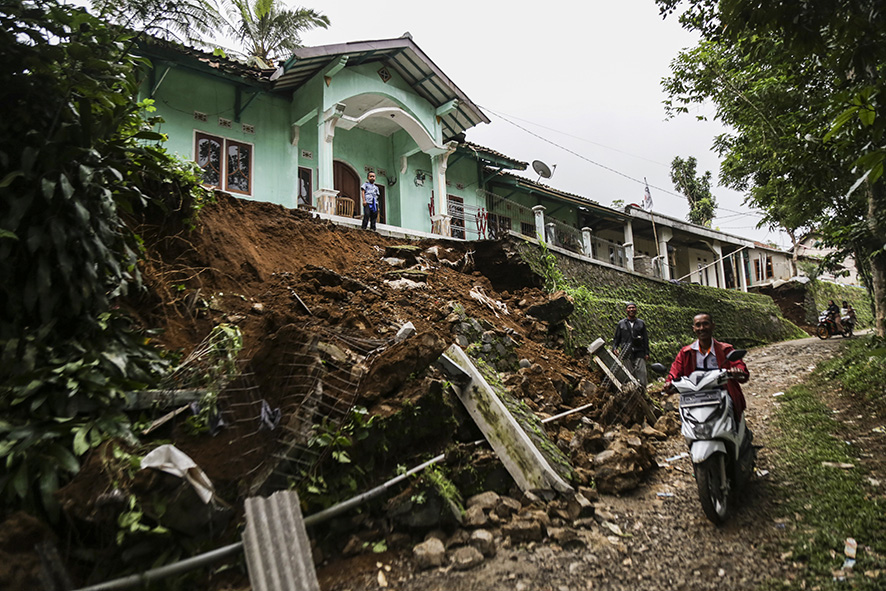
(600, 294)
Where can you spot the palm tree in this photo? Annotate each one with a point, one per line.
(268, 31)
(185, 21)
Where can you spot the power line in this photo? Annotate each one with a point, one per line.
(603, 166)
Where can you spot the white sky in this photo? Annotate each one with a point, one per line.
(584, 76)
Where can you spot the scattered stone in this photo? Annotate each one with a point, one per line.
(483, 541)
(506, 507)
(475, 517)
(459, 538)
(579, 507)
(258, 308)
(654, 433)
(554, 311)
(485, 500)
(525, 363)
(466, 558)
(429, 554)
(354, 547)
(524, 530)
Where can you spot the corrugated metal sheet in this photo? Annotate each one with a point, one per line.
(278, 551)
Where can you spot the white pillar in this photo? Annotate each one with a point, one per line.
(441, 222)
(586, 242)
(550, 233)
(742, 270)
(718, 252)
(629, 245)
(664, 236)
(539, 211)
(325, 194)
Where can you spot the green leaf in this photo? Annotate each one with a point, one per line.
(81, 446)
(64, 457)
(20, 481)
(7, 234)
(7, 180)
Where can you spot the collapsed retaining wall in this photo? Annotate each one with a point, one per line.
(600, 294)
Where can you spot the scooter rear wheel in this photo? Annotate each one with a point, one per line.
(713, 492)
(822, 332)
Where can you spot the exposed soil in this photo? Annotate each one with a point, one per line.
(308, 293)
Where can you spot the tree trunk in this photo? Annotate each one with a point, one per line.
(877, 220)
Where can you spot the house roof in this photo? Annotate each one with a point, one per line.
(492, 157)
(536, 188)
(204, 61)
(402, 56)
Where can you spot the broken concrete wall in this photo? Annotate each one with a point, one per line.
(600, 294)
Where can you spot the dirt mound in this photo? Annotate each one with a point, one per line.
(319, 307)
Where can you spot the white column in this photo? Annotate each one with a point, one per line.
(742, 270)
(325, 194)
(539, 211)
(664, 236)
(550, 233)
(718, 252)
(586, 242)
(629, 245)
(441, 222)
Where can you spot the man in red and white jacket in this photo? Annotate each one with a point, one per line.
(707, 353)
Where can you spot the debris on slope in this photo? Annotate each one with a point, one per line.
(320, 308)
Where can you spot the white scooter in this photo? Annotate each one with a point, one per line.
(721, 451)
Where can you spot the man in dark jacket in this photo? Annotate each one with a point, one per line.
(631, 343)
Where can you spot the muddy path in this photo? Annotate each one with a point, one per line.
(654, 538)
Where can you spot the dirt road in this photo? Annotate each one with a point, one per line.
(657, 537)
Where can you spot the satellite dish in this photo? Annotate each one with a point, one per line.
(542, 169)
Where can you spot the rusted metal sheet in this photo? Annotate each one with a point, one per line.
(278, 551)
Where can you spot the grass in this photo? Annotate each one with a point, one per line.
(829, 504)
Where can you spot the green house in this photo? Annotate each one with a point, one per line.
(306, 134)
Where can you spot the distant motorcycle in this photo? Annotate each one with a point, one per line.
(721, 451)
(828, 327)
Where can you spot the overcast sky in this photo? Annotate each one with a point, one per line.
(568, 83)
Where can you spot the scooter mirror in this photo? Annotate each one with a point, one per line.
(658, 368)
(736, 354)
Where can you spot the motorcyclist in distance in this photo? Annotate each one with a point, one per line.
(707, 353)
(834, 313)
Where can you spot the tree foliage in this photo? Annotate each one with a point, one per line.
(76, 155)
(697, 189)
(268, 31)
(800, 85)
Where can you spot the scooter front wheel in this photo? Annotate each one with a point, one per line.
(713, 487)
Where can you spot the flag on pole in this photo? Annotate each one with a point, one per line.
(647, 199)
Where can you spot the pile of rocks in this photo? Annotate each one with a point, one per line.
(491, 520)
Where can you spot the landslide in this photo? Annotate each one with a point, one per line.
(290, 282)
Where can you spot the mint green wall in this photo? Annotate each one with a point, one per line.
(183, 92)
(276, 160)
(364, 79)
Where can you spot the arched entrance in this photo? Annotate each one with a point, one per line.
(347, 183)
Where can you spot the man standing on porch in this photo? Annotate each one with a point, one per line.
(369, 196)
(631, 343)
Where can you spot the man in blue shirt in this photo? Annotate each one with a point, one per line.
(369, 196)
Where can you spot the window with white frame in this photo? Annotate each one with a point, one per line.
(226, 163)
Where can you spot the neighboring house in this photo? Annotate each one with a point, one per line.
(811, 249)
(769, 264)
(306, 134)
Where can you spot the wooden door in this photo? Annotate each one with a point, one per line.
(347, 183)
